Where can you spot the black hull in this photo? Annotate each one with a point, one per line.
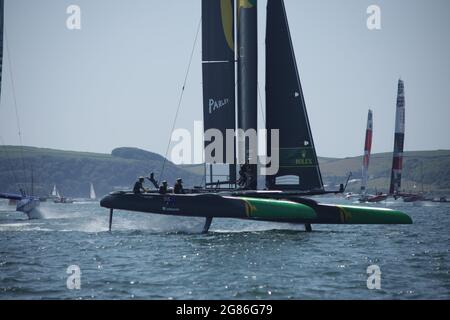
(209, 206)
(195, 205)
(254, 206)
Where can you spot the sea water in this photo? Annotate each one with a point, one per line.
(157, 257)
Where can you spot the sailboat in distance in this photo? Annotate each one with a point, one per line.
(364, 196)
(366, 157)
(92, 195)
(285, 197)
(399, 142)
(54, 194)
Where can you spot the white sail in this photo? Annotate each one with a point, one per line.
(54, 192)
(92, 194)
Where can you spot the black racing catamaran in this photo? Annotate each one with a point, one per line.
(24, 203)
(284, 198)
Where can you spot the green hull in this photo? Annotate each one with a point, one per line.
(276, 209)
(269, 209)
(368, 215)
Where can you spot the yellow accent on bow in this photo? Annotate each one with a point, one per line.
(345, 215)
(249, 208)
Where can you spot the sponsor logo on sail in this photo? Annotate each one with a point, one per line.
(304, 160)
(215, 105)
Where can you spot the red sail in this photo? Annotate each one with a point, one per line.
(367, 151)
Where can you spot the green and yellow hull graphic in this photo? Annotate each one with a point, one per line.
(276, 209)
(290, 211)
(368, 215)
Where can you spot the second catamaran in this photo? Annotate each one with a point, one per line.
(364, 196)
(283, 199)
(24, 203)
(366, 158)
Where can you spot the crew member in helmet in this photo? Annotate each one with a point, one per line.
(244, 175)
(178, 188)
(163, 188)
(139, 186)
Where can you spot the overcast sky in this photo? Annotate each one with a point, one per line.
(116, 82)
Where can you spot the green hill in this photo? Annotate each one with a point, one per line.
(72, 171)
(432, 168)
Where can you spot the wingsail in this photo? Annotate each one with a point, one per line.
(399, 141)
(218, 55)
(367, 150)
(286, 109)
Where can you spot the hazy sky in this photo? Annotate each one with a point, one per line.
(116, 82)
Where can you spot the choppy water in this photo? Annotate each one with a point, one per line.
(153, 257)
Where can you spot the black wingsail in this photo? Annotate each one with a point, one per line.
(286, 109)
(219, 98)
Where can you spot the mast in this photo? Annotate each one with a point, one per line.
(247, 38)
(399, 140)
(367, 150)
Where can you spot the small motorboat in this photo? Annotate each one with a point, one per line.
(63, 200)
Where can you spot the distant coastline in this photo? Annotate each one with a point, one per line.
(73, 171)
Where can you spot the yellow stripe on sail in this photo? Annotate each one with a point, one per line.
(227, 21)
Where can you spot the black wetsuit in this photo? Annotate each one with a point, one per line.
(138, 187)
(178, 188)
(243, 176)
(163, 189)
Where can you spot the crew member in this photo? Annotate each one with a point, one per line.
(178, 188)
(163, 188)
(244, 175)
(139, 186)
(153, 180)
